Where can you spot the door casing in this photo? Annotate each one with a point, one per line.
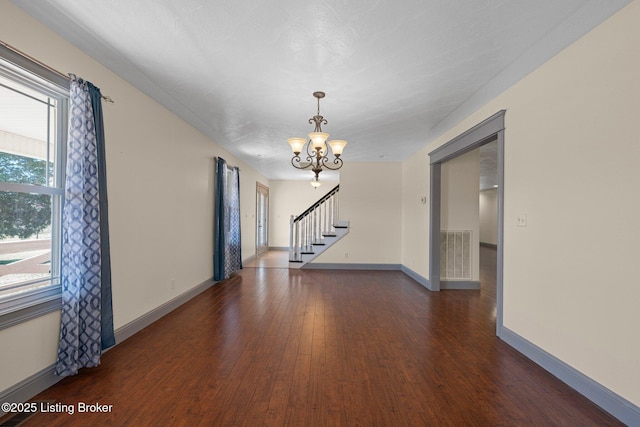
(262, 218)
(488, 130)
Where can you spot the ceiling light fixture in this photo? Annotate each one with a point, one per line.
(316, 148)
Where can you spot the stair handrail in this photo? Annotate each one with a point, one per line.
(320, 201)
(314, 224)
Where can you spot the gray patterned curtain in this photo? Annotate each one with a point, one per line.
(227, 255)
(86, 303)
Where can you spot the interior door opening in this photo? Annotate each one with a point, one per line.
(262, 219)
(491, 129)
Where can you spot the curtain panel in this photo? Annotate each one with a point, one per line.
(87, 320)
(227, 254)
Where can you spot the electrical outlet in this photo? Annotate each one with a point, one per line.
(173, 283)
(346, 254)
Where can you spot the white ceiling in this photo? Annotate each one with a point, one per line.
(397, 73)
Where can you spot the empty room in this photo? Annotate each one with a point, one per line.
(338, 213)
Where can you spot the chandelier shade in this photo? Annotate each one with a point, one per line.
(337, 145)
(297, 144)
(318, 139)
(316, 148)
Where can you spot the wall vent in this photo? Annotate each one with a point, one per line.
(455, 254)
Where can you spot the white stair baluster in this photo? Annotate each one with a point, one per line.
(337, 218)
(324, 223)
(315, 225)
(332, 212)
(299, 238)
(335, 209)
(320, 237)
(291, 251)
(308, 234)
(304, 234)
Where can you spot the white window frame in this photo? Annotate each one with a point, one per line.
(25, 71)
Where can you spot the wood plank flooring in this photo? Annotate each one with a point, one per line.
(279, 347)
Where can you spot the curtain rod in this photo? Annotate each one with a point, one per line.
(42, 64)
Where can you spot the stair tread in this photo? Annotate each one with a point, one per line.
(323, 241)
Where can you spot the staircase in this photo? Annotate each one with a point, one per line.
(316, 229)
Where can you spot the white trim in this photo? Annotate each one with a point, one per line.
(25, 71)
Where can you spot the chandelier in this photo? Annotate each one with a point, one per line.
(316, 148)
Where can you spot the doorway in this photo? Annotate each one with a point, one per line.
(262, 219)
(491, 129)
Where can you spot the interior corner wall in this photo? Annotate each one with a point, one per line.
(288, 198)
(488, 201)
(460, 185)
(571, 150)
(370, 199)
(160, 174)
(415, 213)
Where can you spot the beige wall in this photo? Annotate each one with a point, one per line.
(415, 213)
(288, 198)
(489, 216)
(571, 151)
(570, 166)
(370, 199)
(160, 176)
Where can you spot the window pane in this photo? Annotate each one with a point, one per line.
(33, 115)
(25, 238)
(24, 170)
(27, 133)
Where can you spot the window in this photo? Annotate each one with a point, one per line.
(33, 115)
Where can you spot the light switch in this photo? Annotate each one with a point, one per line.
(521, 220)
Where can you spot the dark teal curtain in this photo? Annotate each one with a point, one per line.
(86, 325)
(106, 318)
(227, 254)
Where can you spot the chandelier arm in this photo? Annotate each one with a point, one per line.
(299, 165)
(311, 154)
(318, 121)
(337, 161)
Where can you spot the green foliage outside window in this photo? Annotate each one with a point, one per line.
(23, 215)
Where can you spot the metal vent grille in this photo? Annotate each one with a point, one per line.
(455, 254)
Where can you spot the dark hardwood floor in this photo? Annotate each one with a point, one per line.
(327, 348)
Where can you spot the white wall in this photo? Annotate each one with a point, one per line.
(288, 198)
(571, 165)
(160, 180)
(370, 199)
(460, 186)
(489, 216)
